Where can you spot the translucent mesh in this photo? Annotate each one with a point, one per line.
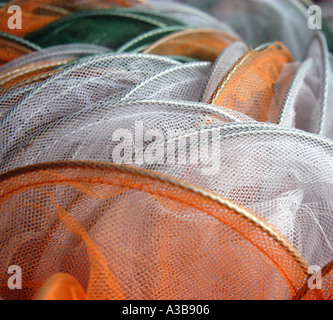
(325, 293)
(137, 176)
(328, 122)
(40, 62)
(185, 82)
(116, 232)
(311, 98)
(285, 176)
(25, 112)
(13, 47)
(222, 65)
(200, 44)
(141, 42)
(191, 15)
(111, 28)
(259, 22)
(248, 87)
(36, 14)
(56, 52)
(95, 132)
(33, 69)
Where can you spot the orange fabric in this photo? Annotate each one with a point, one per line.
(61, 286)
(10, 50)
(36, 14)
(30, 71)
(125, 233)
(200, 44)
(249, 85)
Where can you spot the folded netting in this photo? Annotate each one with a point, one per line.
(112, 132)
(259, 22)
(12, 47)
(200, 44)
(115, 232)
(56, 52)
(310, 102)
(36, 14)
(42, 61)
(224, 62)
(141, 42)
(25, 112)
(191, 15)
(111, 28)
(283, 175)
(248, 86)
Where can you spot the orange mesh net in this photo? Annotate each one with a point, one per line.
(36, 14)
(10, 50)
(200, 44)
(28, 72)
(248, 87)
(103, 231)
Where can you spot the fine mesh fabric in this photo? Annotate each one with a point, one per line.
(71, 90)
(95, 133)
(12, 47)
(36, 14)
(261, 21)
(111, 28)
(166, 150)
(167, 238)
(254, 74)
(200, 44)
(191, 15)
(42, 61)
(285, 176)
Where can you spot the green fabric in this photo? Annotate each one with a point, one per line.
(156, 15)
(111, 28)
(141, 42)
(20, 41)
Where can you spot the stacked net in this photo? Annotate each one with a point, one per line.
(111, 132)
(200, 44)
(36, 14)
(165, 151)
(283, 175)
(254, 76)
(40, 62)
(13, 47)
(114, 232)
(111, 28)
(259, 22)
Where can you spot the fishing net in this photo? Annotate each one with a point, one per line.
(284, 175)
(25, 112)
(110, 28)
(40, 62)
(259, 22)
(12, 47)
(254, 76)
(150, 152)
(97, 133)
(114, 232)
(36, 14)
(200, 44)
